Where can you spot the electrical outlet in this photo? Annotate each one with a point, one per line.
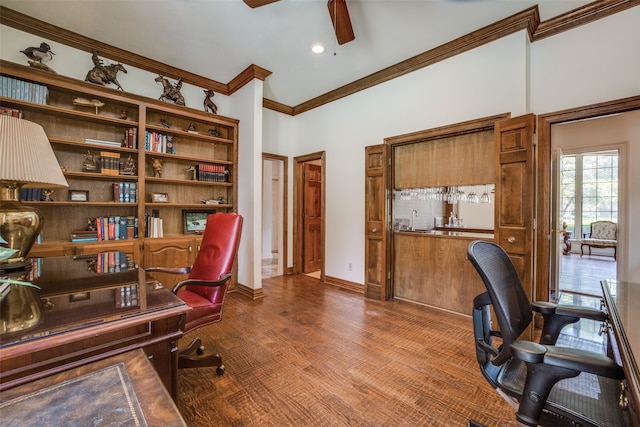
(350, 266)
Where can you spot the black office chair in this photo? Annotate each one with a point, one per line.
(546, 384)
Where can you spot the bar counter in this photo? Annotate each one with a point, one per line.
(431, 268)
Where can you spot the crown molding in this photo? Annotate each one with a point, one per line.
(43, 29)
(582, 15)
(528, 19)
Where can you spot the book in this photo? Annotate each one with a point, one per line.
(103, 142)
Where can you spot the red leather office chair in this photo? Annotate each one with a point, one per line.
(205, 288)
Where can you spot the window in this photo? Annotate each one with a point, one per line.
(588, 189)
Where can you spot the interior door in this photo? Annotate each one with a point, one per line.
(515, 195)
(312, 218)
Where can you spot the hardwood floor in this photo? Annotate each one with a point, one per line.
(313, 355)
(583, 274)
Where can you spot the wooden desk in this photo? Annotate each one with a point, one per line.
(622, 300)
(137, 394)
(90, 311)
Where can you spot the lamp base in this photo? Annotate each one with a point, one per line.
(19, 224)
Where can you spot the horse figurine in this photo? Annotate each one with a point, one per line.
(208, 102)
(104, 74)
(171, 92)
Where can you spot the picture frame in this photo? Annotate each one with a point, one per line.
(78, 195)
(194, 221)
(159, 197)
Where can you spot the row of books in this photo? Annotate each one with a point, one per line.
(6, 111)
(23, 91)
(153, 226)
(125, 192)
(211, 173)
(159, 143)
(109, 228)
(111, 262)
(109, 163)
(31, 194)
(127, 296)
(131, 138)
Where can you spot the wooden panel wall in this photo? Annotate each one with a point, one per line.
(457, 160)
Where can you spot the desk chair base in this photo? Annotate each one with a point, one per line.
(187, 359)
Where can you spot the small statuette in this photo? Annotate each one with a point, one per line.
(156, 164)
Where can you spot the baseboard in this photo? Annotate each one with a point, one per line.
(249, 292)
(344, 284)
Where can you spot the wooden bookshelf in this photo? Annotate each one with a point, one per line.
(212, 146)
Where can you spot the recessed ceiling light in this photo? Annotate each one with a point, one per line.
(317, 48)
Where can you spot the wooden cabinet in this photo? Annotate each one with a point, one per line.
(170, 252)
(459, 159)
(196, 151)
(433, 270)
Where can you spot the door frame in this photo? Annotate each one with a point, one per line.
(298, 198)
(545, 121)
(284, 256)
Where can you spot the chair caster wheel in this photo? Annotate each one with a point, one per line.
(220, 370)
(200, 350)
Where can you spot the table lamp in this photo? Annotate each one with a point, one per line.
(26, 160)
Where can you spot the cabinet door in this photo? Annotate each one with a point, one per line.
(173, 252)
(515, 192)
(376, 254)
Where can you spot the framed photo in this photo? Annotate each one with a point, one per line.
(79, 296)
(78, 195)
(195, 221)
(159, 198)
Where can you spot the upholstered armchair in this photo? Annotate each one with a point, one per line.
(604, 234)
(205, 288)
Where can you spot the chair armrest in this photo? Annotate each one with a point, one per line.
(171, 270)
(568, 358)
(557, 317)
(197, 282)
(549, 308)
(546, 365)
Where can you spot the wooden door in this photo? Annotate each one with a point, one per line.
(377, 284)
(515, 194)
(312, 218)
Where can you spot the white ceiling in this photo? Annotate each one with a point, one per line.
(220, 38)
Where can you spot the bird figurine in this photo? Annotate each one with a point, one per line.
(38, 55)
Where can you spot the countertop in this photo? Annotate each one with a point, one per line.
(458, 233)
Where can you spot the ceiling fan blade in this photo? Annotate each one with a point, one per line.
(258, 3)
(341, 21)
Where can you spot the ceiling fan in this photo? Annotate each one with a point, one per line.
(339, 17)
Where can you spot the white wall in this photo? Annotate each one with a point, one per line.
(246, 105)
(593, 63)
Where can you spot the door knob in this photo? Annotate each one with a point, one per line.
(511, 239)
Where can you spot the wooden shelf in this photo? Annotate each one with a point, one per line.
(85, 145)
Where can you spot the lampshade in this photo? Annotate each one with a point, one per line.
(26, 159)
(26, 155)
